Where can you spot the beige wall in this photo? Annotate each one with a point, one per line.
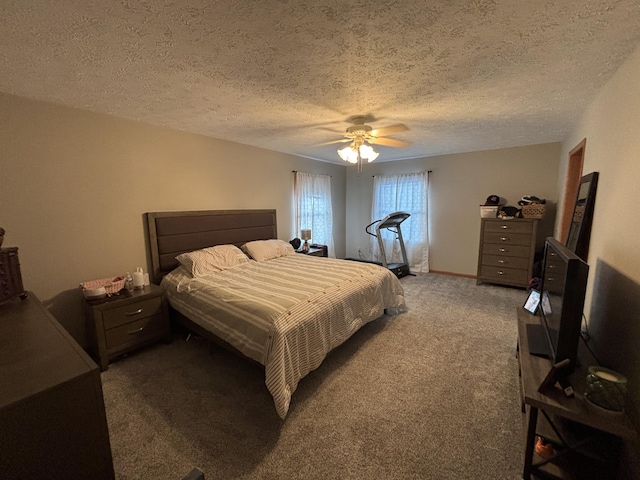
(458, 184)
(611, 126)
(74, 186)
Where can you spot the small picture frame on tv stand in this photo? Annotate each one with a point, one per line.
(557, 374)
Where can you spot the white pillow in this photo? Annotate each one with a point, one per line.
(262, 250)
(212, 259)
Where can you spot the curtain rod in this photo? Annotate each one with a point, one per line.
(428, 171)
(296, 171)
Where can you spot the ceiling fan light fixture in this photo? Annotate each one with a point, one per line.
(348, 154)
(368, 153)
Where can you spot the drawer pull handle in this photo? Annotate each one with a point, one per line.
(503, 250)
(502, 261)
(504, 227)
(136, 331)
(131, 314)
(505, 239)
(500, 272)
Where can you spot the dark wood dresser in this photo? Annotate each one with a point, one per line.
(507, 250)
(52, 418)
(10, 276)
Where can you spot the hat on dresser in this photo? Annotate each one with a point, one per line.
(492, 200)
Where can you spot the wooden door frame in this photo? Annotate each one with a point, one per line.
(572, 181)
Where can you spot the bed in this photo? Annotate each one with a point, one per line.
(283, 310)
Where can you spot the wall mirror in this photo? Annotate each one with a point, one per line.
(580, 229)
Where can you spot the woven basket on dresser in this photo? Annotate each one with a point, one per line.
(534, 211)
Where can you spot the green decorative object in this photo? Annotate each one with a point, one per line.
(606, 389)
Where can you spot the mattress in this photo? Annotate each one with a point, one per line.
(286, 313)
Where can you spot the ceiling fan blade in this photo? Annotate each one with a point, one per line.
(389, 142)
(332, 130)
(342, 140)
(381, 132)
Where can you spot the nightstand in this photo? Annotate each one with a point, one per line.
(313, 252)
(121, 325)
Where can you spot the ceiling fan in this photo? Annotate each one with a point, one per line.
(361, 135)
(359, 130)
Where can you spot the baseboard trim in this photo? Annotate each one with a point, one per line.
(452, 274)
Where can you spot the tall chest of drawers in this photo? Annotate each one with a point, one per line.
(507, 250)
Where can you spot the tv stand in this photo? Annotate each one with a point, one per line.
(538, 340)
(581, 437)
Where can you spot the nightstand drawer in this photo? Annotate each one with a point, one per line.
(128, 313)
(135, 332)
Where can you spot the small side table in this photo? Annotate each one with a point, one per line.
(316, 251)
(585, 440)
(121, 325)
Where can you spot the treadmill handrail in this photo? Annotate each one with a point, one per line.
(366, 229)
(393, 220)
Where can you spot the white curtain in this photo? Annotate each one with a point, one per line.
(313, 208)
(402, 193)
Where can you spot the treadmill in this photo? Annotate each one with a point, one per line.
(392, 223)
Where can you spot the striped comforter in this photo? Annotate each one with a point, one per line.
(287, 313)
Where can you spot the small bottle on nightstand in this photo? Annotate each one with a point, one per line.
(128, 282)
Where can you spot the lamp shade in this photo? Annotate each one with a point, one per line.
(348, 154)
(305, 234)
(368, 153)
(353, 152)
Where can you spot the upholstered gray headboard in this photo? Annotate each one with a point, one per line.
(169, 234)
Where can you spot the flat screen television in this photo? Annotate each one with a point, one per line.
(562, 292)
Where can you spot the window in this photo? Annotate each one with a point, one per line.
(402, 193)
(313, 208)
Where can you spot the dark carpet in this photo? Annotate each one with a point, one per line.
(429, 394)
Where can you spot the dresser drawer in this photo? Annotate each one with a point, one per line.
(6, 286)
(506, 250)
(506, 261)
(508, 238)
(508, 226)
(135, 332)
(504, 275)
(128, 313)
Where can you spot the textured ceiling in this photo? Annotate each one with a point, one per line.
(286, 75)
